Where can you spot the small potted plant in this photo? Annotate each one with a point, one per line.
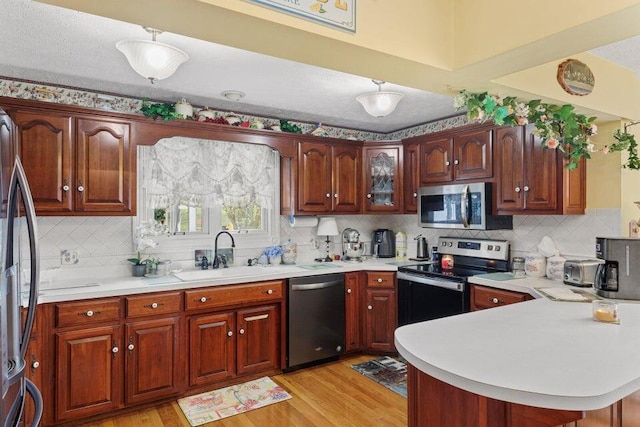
(143, 242)
(274, 254)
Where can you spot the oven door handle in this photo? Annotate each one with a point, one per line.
(446, 284)
(464, 211)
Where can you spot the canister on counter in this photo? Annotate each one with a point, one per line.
(517, 266)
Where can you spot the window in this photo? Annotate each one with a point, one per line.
(196, 188)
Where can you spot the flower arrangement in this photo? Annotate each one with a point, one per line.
(273, 251)
(558, 126)
(143, 241)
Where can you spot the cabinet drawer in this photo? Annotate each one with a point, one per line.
(233, 294)
(87, 312)
(380, 279)
(483, 297)
(150, 305)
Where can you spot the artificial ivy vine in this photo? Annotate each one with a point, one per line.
(558, 126)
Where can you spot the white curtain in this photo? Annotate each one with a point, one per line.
(201, 172)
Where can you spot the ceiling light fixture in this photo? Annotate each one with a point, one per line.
(380, 104)
(233, 95)
(151, 59)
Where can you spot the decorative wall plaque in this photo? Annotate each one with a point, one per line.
(575, 77)
(337, 13)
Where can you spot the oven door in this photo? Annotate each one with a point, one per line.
(422, 298)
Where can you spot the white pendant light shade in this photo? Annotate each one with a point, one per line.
(380, 104)
(151, 59)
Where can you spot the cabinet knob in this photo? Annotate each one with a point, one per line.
(495, 300)
(241, 331)
(447, 163)
(65, 188)
(154, 305)
(269, 291)
(369, 307)
(369, 196)
(456, 161)
(35, 365)
(349, 290)
(130, 347)
(328, 195)
(80, 188)
(379, 280)
(526, 188)
(114, 350)
(203, 299)
(517, 189)
(230, 333)
(415, 195)
(335, 196)
(89, 313)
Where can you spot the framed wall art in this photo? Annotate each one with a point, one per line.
(575, 77)
(337, 13)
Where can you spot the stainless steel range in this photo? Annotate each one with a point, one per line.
(439, 288)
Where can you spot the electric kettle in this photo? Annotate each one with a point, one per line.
(422, 248)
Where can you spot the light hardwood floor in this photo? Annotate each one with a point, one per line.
(332, 394)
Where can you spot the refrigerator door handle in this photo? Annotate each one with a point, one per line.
(19, 180)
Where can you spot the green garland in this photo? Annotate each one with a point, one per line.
(558, 126)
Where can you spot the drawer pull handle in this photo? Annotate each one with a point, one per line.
(495, 300)
(89, 313)
(369, 307)
(230, 333)
(269, 291)
(379, 280)
(154, 305)
(349, 290)
(130, 347)
(241, 331)
(203, 299)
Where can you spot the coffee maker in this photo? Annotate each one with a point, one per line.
(619, 275)
(383, 243)
(352, 247)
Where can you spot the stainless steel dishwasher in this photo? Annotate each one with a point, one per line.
(316, 319)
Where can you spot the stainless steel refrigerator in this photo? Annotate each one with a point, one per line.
(19, 245)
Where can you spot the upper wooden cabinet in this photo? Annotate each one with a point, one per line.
(533, 179)
(383, 178)
(329, 178)
(7, 153)
(77, 165)
(465, 156)
(411, 176)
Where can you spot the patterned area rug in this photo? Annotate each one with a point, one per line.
(389, 372)
(225, 402)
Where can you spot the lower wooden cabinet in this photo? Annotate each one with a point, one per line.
(353, 311)
(258, 339)
(380, 311)
(483, 297)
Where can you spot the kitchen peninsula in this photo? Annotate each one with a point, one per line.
(536, 363)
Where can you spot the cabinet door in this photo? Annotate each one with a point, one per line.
(152, 360)
(411, 177)
(574, 188)
(314, 177)
(352, 285)
(383, 179)
(212, 344)
(436, 159)
(106, 168)
(473, 158)
(509, 152)
(381, 319)
(88, 372)
(541, 179)
(347, 178)
(258, 341)
(7, 153)
(45, 148)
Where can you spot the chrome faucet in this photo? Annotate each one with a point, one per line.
(216, 257)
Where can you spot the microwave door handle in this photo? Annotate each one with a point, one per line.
(464, 197)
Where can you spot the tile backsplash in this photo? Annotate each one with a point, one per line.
(107, 241)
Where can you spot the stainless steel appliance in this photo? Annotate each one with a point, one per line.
(316, 323)
(619, 275)
(581, 273)
(428, 291)
(14, 334)
(383, 243)
(422, 249)
(352, 247)
(465, 206)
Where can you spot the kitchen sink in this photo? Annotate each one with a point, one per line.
(240, 271)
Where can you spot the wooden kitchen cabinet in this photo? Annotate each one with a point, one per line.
(483, 297)
(212, 344)
(411, 176)
(353, 311)
(380, 311)
(329, 178)
(77, 165)
(383, 178)
(532, 179)
(456, 157)
(7, 153)
(258, 339)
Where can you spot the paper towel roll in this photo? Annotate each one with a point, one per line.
(303, 221)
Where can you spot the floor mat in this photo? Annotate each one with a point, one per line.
(389, 372)
(225, 402)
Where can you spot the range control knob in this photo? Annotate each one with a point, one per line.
(489, 247)
(497, 248)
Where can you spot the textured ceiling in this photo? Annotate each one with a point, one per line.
(59, 46)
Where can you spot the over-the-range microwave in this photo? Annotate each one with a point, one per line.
(463, 206)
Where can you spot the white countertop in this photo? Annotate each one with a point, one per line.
(96, 287)
(539, 353)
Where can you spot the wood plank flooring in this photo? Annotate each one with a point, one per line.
(332, 394)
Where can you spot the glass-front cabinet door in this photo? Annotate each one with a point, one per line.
(383, 180)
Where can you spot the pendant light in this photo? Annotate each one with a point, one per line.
(151, 59)
(380, 104)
